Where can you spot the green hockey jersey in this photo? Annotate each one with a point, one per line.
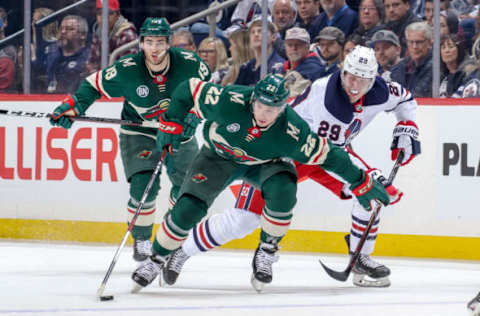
(146, 95)
(230, 129)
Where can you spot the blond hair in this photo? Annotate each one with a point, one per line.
(222, 60)
(244, 54)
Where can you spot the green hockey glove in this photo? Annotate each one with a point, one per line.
(190, 123)
(368, 189)
(169, 134)
(60, 116)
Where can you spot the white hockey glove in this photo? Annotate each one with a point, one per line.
(394, 193)
(405, 136)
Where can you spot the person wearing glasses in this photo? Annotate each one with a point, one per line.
(213, 52)
(371, 14)
(414, 72)
(183, 38)
(398, 15)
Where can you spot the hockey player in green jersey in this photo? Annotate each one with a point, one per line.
(146, 81)
(251, 134)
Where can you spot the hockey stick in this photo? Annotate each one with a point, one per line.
(343, 275)
(156, 172)
(33, 114)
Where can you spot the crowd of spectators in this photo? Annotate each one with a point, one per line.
(306, 40)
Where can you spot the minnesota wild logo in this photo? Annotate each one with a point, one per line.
(145, 154)
(199, 177)
(157, 110)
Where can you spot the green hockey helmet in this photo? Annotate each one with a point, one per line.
(155, 27)
(272, 91)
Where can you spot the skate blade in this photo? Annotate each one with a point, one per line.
(256, 284)
(136, 288)
(362, 280)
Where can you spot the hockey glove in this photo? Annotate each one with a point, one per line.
(169, 134)
(190, 123)
(60, 116)
(368, 189)
(393, 193)
(405, 136)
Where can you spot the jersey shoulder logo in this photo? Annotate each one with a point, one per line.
(143, 91)
(293, 131)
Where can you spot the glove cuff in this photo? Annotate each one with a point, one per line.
(364, 187)
(170, 127)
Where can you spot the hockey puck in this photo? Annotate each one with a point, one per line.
(106, 298)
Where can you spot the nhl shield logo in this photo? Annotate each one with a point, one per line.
(199, 177)
(233, 128)
(142, 91)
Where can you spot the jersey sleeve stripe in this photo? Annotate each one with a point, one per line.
(321, 154)
(96, 81)
(196, 86)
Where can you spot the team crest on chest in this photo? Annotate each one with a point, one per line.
(233, 128)
(199, 177)
(352, 130)
(143, 91)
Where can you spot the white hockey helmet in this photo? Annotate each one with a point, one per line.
(361, 62)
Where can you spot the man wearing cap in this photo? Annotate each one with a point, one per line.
(387, 51)
(146, 81)
(302, 65)
(329, 46)
(120, 32)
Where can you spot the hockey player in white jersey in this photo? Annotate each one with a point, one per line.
(338, 107)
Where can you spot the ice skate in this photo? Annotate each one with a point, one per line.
(147, 271)
(262, 265)
(367, 272)
(174, 266)
(142, 249)
(474, 305)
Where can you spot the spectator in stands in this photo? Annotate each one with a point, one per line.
(470, 88)
(398, 16)
(120, 32)
(387, 51)
(284, 14)
(329, 48)
(448, 23)
(250, 72)
(66, 67)
(370, 18)
(44, 44)
(429, 12)
(183, 38)
(414, 72)
(309, 16)
(8, 57)
(452, 63)
(302, 65)
(212, 51)
(350, 43)
(338, 14)
(241, 53)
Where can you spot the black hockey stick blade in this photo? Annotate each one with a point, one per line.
(337, 275)
(343, 275)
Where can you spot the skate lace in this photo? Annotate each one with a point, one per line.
(149, 270)
(143, 247)
(177, 261)
(368, 262)
(264, 261)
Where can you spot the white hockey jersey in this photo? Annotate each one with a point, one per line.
(327, 108)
